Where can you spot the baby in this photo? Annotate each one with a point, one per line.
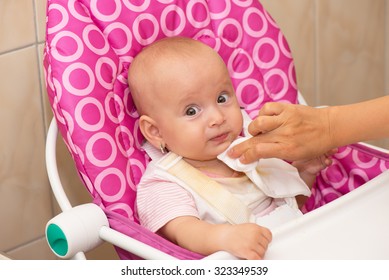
(187, 105)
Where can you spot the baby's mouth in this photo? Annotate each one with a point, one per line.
(220, 138)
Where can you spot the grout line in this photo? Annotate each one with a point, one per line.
(24, 244)
(42, 91)
(316, 74)
(17, 49)
(386, 47)
(39, 68)
(386, 57)
(35, 19)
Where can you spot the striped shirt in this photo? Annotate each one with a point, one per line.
(160, 201)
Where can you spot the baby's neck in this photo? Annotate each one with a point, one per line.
(214, 166)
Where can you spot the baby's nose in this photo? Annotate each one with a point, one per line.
(216, 117)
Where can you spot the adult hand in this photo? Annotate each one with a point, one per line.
(286, 131)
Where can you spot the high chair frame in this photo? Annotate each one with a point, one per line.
(89, 49)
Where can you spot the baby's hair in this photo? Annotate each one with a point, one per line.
(168, 51)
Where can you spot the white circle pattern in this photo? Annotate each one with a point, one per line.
(64, 20)
(136, 28)
(85, 37)
(222, 14)
(126, 31)
(225, 37)
(68, 84)
(100, 70)
(249, 29)
(102, 16)
(178, 11)
(75, 11)
(67, 58)
(240, 74)
(79, 116)
(101, 136)
(190, 15)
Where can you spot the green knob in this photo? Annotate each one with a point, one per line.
(57, 240)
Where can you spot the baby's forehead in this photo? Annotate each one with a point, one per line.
(163, 56)
(171, 48)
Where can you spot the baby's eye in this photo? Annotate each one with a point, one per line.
(191, 111)
(222, 98)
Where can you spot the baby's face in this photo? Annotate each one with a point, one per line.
(197, 113)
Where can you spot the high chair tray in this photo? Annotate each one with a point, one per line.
(355, 226)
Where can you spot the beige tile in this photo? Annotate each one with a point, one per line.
(4, 256)
(36, 250)
(39, 250)
(74, 188)
(47, 112)
(25, 202)
(387, 47)
(104, 252)
(386, 143)
(296, 20)
(40, 8)
(17, 26)
(350, 50)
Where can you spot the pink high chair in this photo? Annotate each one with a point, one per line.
(89, 49)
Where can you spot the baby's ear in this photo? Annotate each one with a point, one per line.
(150, 130)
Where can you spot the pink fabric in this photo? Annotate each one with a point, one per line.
(89, 47)
(353, 166)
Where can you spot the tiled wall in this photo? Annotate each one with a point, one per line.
(26, 202)
(341, 49)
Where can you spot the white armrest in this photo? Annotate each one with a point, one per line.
(52, 169)
(132, 245)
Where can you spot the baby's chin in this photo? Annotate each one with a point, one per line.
(210, 153)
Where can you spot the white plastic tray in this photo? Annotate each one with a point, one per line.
(355, 226)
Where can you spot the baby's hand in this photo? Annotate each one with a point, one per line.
(315, 165)
(247, 241)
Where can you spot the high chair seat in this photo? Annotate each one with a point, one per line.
(88, 51)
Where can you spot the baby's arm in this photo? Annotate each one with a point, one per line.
(247, 241)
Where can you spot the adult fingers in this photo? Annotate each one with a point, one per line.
(251, 149)
(263, 124)
(261, 150)
(238, 150)
(271, 109)
(257, 147)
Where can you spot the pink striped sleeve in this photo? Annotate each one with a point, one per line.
(161, 202)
